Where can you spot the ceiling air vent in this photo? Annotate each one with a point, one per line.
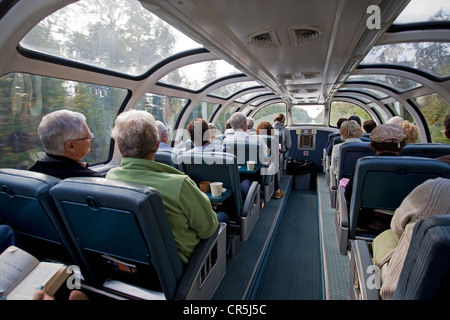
(310, 75)
(265, 39)
(304, 35)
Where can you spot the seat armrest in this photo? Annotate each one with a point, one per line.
(251, 210)
(342, 207)
(205, 269)
(342, 222)
(363, 280)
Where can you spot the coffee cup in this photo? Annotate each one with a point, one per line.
(204, 186)
(216, 189)
(250, 165)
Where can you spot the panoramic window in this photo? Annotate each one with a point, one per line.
(268, 113)
(163, 108)
(434, 109)
(224, 116)
(203, 110)
(197, 75)
(29, 97)
(308, 114)
(342, 109)
(424, 11)
(429, 57)
(398, 83)
(115, 35)
(232, 88)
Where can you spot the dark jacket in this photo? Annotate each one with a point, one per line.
(62, 167)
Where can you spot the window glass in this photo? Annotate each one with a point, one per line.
(429, 57)
(203, 110)
(434, 109)
(309, 114)
(424, 11)
(116, 35)
(342, 109)
(164, 108)
(398, 83)
(232, 88)
(197, 75)
(26, 98)
(246, 97)
(268, 113)
(224, 116)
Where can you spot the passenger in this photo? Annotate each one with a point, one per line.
(285, 136)
(411, 131)
(391, 246)
(329, 145)
(369, 125)
(164, 138)
(447, 134)
(387, 140)
(67, 140)
(213, 132)
(188, 209)
(395, 120)
(228, 129)
(7, 237)
(201, 135)
(265, 128)
(238, 122)
(356, 118)
(250, 124)
(350, 132)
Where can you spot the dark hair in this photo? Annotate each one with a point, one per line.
(280, 117)
(387, 146)
(264, 127)
(340, 122)
(356, 118)
(199, 131)
(369, 125)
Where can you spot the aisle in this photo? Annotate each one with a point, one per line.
(292, 269)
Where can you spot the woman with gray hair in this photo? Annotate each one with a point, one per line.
(350, 132)
(188, 209)
(67, 140)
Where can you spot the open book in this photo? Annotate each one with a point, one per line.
(21, 274)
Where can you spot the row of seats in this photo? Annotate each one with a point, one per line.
(243, 151)
(117, 233)
(381, 182)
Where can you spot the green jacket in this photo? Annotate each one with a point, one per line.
(188, 209)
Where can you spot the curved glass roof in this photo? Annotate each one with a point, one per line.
(114, 35)
(424, 11)
(398, 83)
(429, 57)
(197, 75)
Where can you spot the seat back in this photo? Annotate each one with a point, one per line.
(426, 271)
(222, 167)
(426, 150)
(167, 157)
(382, 182)
(252, 149)
(215, 167)
(28, 208)
(122, 232)
(349, 155)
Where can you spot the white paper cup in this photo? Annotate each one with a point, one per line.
(216, 189)
(250, 165)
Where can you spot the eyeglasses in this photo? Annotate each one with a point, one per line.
(91, 137)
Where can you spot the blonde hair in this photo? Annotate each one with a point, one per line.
(136, 133)
(411, 131)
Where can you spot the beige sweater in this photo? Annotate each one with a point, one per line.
(428, 199)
